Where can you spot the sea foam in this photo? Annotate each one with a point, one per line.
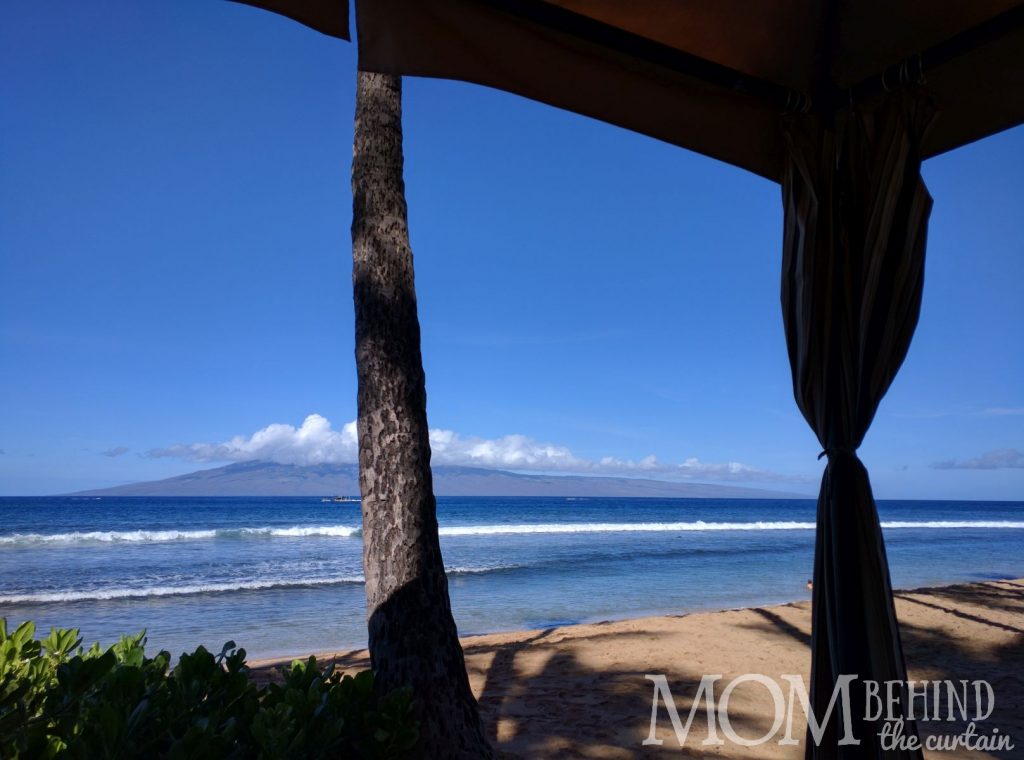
(700, 525)
(108, 593)
(102, 594)
(159, 536)
(350, 531)
(108, 536)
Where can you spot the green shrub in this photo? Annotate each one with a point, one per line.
(59, 700)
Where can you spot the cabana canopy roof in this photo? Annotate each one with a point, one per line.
(709, 75)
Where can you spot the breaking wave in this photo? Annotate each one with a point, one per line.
(103, 594)
(349, 531)
(159, 536)
(108, 593)
(700, 525)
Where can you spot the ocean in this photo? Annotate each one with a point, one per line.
(283, 576)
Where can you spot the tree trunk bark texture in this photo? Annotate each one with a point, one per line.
(412, 635)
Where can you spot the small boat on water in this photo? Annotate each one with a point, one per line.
(342, 499)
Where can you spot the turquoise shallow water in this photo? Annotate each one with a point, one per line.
(284, 576)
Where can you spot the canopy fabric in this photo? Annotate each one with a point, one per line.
(856, 217)
(715, 75)
(327, 16)
(709, 75)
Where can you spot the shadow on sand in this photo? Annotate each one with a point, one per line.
(568, 709)
(578, 693)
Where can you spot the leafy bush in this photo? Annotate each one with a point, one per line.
(59, 700)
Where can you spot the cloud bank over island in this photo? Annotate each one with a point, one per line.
(316, 441)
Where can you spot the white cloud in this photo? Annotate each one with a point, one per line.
(115, 452)
(510, 452)
(316, 442)
(690, 469)
(999, 459)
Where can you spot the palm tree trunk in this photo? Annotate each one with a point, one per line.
(412, 635)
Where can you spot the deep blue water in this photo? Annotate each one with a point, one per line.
(284, 576)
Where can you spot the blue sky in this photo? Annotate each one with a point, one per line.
(175, 271)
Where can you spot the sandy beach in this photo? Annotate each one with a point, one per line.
(580, 691)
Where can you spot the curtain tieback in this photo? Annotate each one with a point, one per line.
(831, 452)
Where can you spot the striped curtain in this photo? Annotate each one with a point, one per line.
(856, 217)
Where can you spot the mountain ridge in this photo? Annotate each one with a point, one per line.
(272, 479)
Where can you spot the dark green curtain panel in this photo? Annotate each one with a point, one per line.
(856, 217)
